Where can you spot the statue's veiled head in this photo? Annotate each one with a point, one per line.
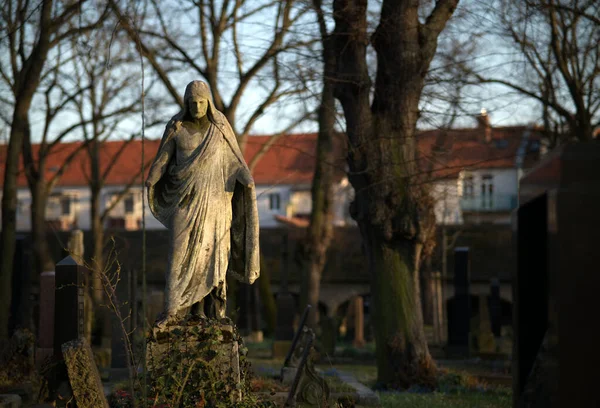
(197, 100)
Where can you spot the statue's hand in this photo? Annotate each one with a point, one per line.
(246, 179)
(152, 179)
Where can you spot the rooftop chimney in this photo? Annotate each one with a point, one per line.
(483, 122)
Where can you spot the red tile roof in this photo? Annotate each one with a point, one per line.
(444, 153)
(291, 159)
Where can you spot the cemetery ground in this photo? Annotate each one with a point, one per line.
(464, 382)
(468, 383)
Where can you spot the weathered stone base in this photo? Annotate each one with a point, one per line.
(197, 346)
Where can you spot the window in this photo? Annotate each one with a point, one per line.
(487, 185)
(129, 204)
(468, 186)
(65, 205)
(487, 191)
(274, 201)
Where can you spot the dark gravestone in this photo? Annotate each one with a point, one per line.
(555, 359)
(286, 306)
(20, 308)
(68, 303)
(459, 324)
(495, 308)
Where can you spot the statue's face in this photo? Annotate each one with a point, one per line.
(197, 107)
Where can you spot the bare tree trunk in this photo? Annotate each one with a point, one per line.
(97, 244)
(391, 207)
(320, 229)
(25, 85)
(41, 254)
(9, 212)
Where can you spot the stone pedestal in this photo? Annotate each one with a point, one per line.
(203, 351)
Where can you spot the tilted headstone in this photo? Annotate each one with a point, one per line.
(307, 386)
(83, 374)
(290, 364)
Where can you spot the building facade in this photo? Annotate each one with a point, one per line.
(282, 176)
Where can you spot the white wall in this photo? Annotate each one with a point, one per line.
(292, 199)
(448, 193)
(447, 202)
(505, 180)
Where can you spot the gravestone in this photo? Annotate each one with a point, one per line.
(20, 308)
(83, 374)
(459, 319)
(557, 225)
(495, 308)
(286, 306)
(46, 322)
(307, 387)
(76, 249)
(69, 302)
(292, 358)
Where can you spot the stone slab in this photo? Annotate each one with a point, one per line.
(83, 374)
(364, 395)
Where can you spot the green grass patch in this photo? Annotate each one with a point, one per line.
(439, 400)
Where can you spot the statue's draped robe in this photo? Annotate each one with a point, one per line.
(211, 217)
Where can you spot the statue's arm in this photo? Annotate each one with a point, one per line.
(160, 163)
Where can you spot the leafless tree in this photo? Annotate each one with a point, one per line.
(204, 37)
(31, 30)
(320, 229)
(553, 59)
(393, 209)
(108, 107)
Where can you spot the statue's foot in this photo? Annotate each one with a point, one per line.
(163, 321)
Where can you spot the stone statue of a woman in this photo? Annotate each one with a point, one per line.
(201, 189)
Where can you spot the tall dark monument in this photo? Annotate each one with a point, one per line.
(557, 226)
